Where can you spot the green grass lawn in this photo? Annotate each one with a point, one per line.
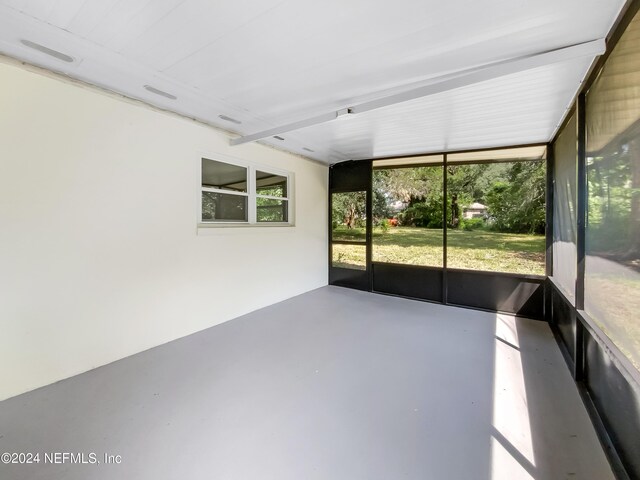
(474, 250)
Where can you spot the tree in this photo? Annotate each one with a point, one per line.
(514, 193)
(425, 213)
(455, 211)
(381, 208)
(517, 203)
(405, 184)
(419, 189)
(348, 208)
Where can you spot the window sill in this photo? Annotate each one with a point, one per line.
(214, 228)
(244, 225)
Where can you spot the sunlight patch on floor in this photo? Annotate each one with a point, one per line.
(512, 454)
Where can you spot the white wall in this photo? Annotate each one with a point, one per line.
(100, 256)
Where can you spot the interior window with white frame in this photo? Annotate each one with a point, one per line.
(244, 194)
(272, 202)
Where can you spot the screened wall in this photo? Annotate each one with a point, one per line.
(408, 211)
(595, 284)
(463, 228)
(565, 208)
(612, 266)
(493, 211)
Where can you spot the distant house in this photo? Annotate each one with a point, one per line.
(475, 210)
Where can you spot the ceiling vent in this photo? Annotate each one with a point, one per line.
(151, 89)
(47, 51)
(229, 119)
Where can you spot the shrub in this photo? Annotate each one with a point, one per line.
(470, 224)
(423, 214)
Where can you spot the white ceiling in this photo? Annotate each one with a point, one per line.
(271, 62)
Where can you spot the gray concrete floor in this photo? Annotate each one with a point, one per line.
(333, 384)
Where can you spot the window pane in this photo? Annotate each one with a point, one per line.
(407, 215)
(349, 256)
(564, 209)
(270, 184)
(223, 176)
(222, 206)
(271, 210)
(612, 266)
(348, 216)
(496, 217)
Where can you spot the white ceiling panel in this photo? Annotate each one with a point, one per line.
(41, 8)
(121, 29)
(271, 62)
(190, 27)
(120, 17)
(510, 110)
(89, 16)
(61, 15)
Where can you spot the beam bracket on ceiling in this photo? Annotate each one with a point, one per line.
(443, 84)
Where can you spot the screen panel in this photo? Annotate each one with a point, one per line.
(353, 257)
(223, 207)
(271, 210)
(565, 209)
(612, 263)
(496, 217)
(348, 216)
(408, 215)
